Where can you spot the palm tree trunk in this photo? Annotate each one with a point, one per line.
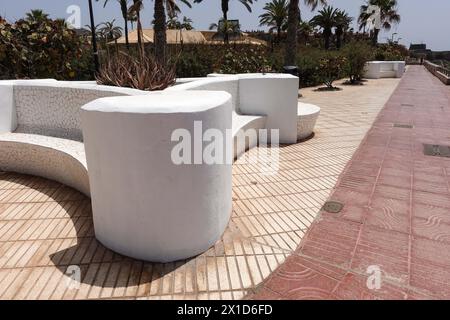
(376, 32)
(327, 37)
(339, 38)
(291, 40)
(139, 31)
(278, 34)
(160, 39)
(124, 8)
(94, 37)
(225, 8)
(127, 40)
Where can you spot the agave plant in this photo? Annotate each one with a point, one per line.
(142, 73)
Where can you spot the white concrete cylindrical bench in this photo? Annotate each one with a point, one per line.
(144, 205)
(307, 118)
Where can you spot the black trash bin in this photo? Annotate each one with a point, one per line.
(291, 70)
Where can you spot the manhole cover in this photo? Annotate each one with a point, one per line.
(333, 207)
(436, 150)
(404, 126)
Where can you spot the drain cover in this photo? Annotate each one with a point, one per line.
(407, 105)
(436, 150)
(404, 126)
(333, 207)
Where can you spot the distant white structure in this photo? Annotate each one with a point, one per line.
(374, 22)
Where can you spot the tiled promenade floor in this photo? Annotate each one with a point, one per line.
(396, 215)
(46, 228)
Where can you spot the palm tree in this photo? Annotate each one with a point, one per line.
(326, 20)
(304, 31)
(292, 27)
(225, 5)
(124, 9)
(186, 24)
(389, 16)
(160, 27)
(36, 16)
(343, 21)
(275, 16)
(226, 28)
(111, 32)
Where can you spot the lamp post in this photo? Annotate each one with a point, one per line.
(94, 37)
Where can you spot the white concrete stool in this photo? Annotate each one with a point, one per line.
(307, 118)
(144, 205)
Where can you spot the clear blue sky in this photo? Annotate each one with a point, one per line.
(422, 21)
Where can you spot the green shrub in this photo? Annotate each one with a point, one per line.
(308, 63)
(244, 59)
(331, 68)
(357, 53)
(391, 52)
(193, 63)
(43, 48)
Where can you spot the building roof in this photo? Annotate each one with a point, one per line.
(173, 37)
(189, 37)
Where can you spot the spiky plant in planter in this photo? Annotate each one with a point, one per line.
(142, 73)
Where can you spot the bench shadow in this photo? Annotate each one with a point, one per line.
(99, 266)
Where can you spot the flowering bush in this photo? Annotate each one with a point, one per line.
(331, 67)
(42, 48)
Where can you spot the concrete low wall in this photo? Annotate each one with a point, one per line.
(440, 72)
(144, 205)
(384, 69)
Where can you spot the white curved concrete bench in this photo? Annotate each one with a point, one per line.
(307, 118)
(57, 159)
(40, 128)
(41, 134)
(145, 205)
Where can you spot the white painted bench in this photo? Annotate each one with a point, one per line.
(40, 128)
(384, 69)
(128, 147)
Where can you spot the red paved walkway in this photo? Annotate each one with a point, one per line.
(396, 215)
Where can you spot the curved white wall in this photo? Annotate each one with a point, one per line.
(144, 205)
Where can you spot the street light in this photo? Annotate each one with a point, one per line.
(94, 37)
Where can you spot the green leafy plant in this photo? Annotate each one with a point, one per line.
(38, 47)
(357, 53)
(331, 67)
